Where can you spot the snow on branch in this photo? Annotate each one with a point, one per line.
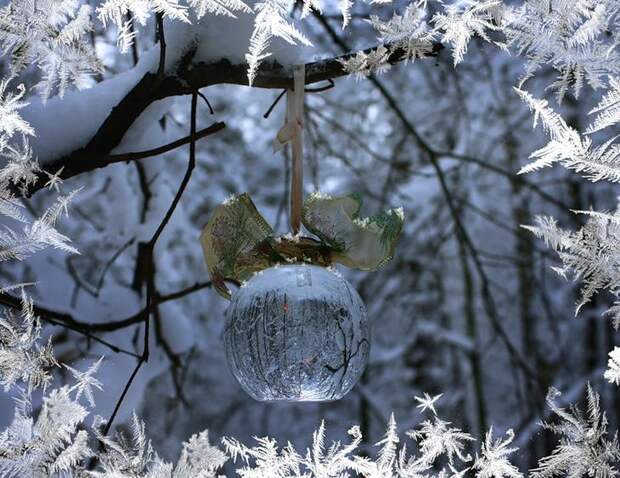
(100, 139)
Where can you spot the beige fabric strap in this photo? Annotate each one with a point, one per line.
(292, 132)
(295, 116)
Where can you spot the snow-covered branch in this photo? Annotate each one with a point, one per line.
(188, 77)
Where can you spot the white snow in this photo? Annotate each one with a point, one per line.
(65, 124)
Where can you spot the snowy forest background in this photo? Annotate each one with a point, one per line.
(470, 307)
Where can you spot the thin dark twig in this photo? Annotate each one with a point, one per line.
(273, 105)
(150, 284)
(122, 397)
(134, 41)
(119, 158)
(307, 90)
(162, 45)
(206, 100)
(320, 89)
(90, 336)
(53, 316)
(144, 187)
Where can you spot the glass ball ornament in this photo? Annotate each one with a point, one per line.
(297, 332)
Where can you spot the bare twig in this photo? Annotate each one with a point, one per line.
(161, 37)
(119, 158)
(487, 299)
(149, 248)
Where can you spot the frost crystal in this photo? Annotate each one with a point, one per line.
(613, 367)
(584, 449)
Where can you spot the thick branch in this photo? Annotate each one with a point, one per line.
(189, 77)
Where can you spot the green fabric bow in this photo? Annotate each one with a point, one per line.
(238, 242)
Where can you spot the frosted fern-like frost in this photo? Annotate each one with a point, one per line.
(118, 13)
(271, 21)
(458, 24)
(584, 448)
(570, 35)
(571, 149)
(494, 459)
(22, 358)
(590, 254)
(412, 34)
(52, 35)
(612, 374)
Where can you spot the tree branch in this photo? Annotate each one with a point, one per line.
(190, 76)
(150, 269)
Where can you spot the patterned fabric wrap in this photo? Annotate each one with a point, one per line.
(238, 242)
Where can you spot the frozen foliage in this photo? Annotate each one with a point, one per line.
(271, 21)
(412, 34)
(58, 438)
(19, 170)
(579, 38)
(22, 358)
(52, 35)
(123, 13)
(571, 149)
(50, 444)
(495, 458)
(591, 253)
(613, 368)
(584, 448)
(460, 22)
(434, 440)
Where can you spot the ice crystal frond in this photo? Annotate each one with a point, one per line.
(568, 148)
(117, 12)
(199, 458)
(570, 35)
(270, 22)
(23, 359)
(427, 402)
(52, 35)
(460, 22)
(51, 445)
(408, 32)
(265, 459)
(42, 233)
(36, 234)
(228, 8)
(436, 438)
(612, 374)
(85, 381)
(362, 64)
(412, 35)
(19, 170)
(614, 314)
(10, 104)
(132, 455)
(590, 253)
(494, 461)
(332, 462)
(608, 110)
(584, 448)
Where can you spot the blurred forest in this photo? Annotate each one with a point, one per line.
(469, 306)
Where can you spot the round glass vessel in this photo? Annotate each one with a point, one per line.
(297, 333)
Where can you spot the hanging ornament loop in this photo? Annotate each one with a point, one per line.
(294, 121)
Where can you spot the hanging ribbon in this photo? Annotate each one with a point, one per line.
(238, 242)
(292, 132)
